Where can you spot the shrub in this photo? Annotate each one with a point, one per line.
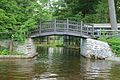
(114, 43)
(4, 52)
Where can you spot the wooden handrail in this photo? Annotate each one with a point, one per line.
(66, 26)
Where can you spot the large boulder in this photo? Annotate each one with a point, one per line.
(96, 49)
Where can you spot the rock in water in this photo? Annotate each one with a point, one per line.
(96, 49)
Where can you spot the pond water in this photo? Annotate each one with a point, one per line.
(59, 63)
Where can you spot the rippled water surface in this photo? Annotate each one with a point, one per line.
(59, 64)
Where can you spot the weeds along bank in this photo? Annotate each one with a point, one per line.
(114, 43)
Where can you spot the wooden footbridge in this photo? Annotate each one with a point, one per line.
(63, 27)
(72, 28)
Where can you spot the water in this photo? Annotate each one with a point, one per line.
(59, 64)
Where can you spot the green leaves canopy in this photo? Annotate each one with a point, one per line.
(92, 11)
(17, 16)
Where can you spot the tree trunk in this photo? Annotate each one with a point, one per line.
(112, 14)
(11, 46)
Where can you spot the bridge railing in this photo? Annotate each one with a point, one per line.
(108, 33)
(63, 26)
(88, 29)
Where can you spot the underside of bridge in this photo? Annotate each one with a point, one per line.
(61, 34)
(58, 41)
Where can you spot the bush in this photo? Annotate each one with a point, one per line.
(4, 52)
(114, 43)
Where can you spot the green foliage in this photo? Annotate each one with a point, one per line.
(118, 9)
(103, 38)
(4, 52)
(80, 10)
(114, 43)
(18, 37)
(102, 15)
(18, 16)
(89, 10)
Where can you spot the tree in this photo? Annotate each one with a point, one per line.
(117, 5)
(102, 15)
(91, 11)
(75, 10)
(17, 17)
(112, 13)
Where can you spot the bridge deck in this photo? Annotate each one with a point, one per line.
(62, 33)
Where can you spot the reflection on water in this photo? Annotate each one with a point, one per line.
(59, 64)
(96, 69)
(16, 69)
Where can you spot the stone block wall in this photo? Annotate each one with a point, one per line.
(27, 48)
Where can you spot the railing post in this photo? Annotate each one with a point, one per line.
(81, 27)
(100, 32)
(40, 27)
(67, 25)
(55, 25)
(87, 28)
(92, 30)
(77, 27)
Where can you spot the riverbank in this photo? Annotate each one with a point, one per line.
(113, 59)
(19, 51)
(17, 56)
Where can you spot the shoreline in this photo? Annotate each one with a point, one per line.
(113, 58)
(18, 56)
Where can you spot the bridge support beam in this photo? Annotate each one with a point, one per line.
(81, 44)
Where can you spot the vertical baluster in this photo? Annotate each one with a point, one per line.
(48, 26)
(67, 25)
(81, 26)
(52, 26)
(40, 27)
(55, 25)
(77, 27)
(87, 28)
(92, 30)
